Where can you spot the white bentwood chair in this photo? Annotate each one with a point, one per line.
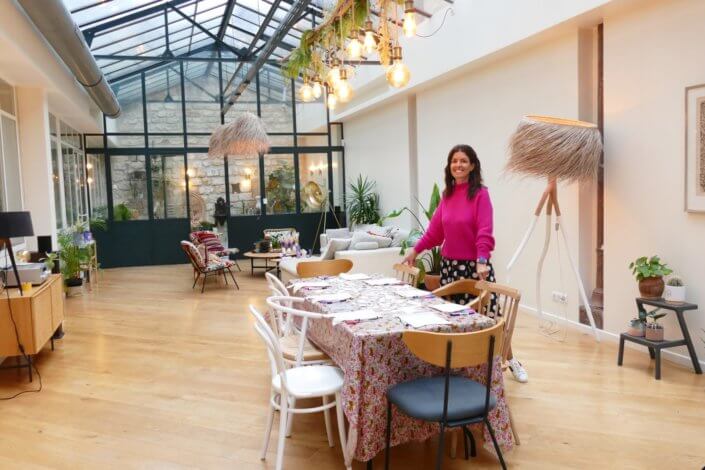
(290, 384)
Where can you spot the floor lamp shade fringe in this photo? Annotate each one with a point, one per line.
(244, 136)
(557, 149)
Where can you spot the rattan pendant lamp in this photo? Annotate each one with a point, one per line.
(558, 150)
(244, 136)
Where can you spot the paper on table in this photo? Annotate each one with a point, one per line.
(354, 315)
(447, 307)
(420, 319)
(412, 293)
(384, 281)
(330, 298)
(309, 285)
(354, 276)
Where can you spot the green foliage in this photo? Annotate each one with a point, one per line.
(648, 267)
(98, 224)
(644, 316)
(50, 260)
(71, 254)
(205, 225)
(280, 190)
(675, 281)
(431, 261)
(121, 212)
(363, 202)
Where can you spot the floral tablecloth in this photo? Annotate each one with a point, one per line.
(373, 357)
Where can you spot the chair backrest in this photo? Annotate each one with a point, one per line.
(331, 267)
(282, 306)
(468, 349)
(508, 303)
(407, 274)
(276, 286)
(276, 358)
(464, 286)
(193, 254)
(208, 238)
(268, 231)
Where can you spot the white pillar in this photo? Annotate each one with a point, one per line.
(35, 161)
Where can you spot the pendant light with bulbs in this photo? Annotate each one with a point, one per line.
(409, 24)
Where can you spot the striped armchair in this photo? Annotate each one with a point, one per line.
(213, 244)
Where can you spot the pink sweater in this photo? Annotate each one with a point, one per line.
(462, 225)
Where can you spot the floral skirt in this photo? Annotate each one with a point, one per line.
(454, 269)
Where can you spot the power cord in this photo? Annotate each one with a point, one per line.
(21, 348)
(445, 15)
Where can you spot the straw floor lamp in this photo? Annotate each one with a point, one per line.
(244, 136)
(555, 149)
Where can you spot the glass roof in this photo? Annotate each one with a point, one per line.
(128, 37)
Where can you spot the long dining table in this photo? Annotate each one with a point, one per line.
(373, 357)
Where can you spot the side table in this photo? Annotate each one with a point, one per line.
(655, 347)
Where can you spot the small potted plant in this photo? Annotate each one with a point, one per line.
(636, 327)
(675, 290)
(654, 330)
(649, 273)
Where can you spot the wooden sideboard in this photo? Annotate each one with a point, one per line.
(37, 314)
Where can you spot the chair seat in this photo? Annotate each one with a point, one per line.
(311, 381)
(290, 347)
(423, 398)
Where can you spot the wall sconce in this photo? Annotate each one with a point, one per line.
(89, 180)
(190, 173)
(246, 184)
(89, 165)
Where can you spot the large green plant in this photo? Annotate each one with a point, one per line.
(280, 190)
(429, 262)
(363, 202)
(122, 212)
(649, 267)
(71, 256)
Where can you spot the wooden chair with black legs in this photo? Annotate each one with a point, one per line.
(451, 401)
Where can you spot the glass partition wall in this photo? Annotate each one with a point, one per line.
(150, 175)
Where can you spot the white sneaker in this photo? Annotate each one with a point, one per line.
(520, 374)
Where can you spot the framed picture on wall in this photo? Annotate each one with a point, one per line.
(695, 148)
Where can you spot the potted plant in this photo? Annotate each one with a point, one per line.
(363, 202)
(649, 273)
(654, 330)
(675, 290)
(429, 262)
(636, 327)
(71, 256)
(50, 261)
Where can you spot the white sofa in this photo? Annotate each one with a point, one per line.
(378, 260)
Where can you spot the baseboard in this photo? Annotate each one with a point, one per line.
(679, 359)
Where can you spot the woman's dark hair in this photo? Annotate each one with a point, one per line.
(475, 176)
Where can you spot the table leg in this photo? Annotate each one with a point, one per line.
(620, 356)
(252, 267)
(657, 352)
(689, 342)
(652, 354)
(29, 366)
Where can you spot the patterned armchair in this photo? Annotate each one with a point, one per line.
(206, 264)
(213, 244)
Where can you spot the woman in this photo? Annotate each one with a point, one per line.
(463, 225)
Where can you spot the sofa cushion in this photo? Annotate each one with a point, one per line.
(335, 244)
(358, 236)
(338, 233)
(360, 246)
(399, 235)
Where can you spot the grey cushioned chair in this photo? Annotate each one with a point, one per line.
(451, 401)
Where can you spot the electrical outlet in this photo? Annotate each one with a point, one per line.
(560, 297)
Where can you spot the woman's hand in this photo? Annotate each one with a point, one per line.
(410, 257)
(483, 271)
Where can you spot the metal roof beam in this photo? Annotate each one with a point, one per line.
(134, 16)
(226, 19)
(208, 33)
(294, 12)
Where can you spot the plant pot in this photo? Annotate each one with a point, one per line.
(74, 286)
(651, 287)
(636, 329)
(674, 294)
(432, 281)
(654, 334)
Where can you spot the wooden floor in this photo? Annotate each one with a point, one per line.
(152, 374)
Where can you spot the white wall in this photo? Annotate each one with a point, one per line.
(651, 55)
(377, 146)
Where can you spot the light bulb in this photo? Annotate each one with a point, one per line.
(370, 44)
(409, 26)
(89, 165)
(332, 101)
(316, 89)
(334, 75)
(354, 49)
(89, 180)
(398, 74)
(306, 92)
(343, 91)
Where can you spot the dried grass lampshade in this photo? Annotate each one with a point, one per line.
(244, 136)
(558, 149)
